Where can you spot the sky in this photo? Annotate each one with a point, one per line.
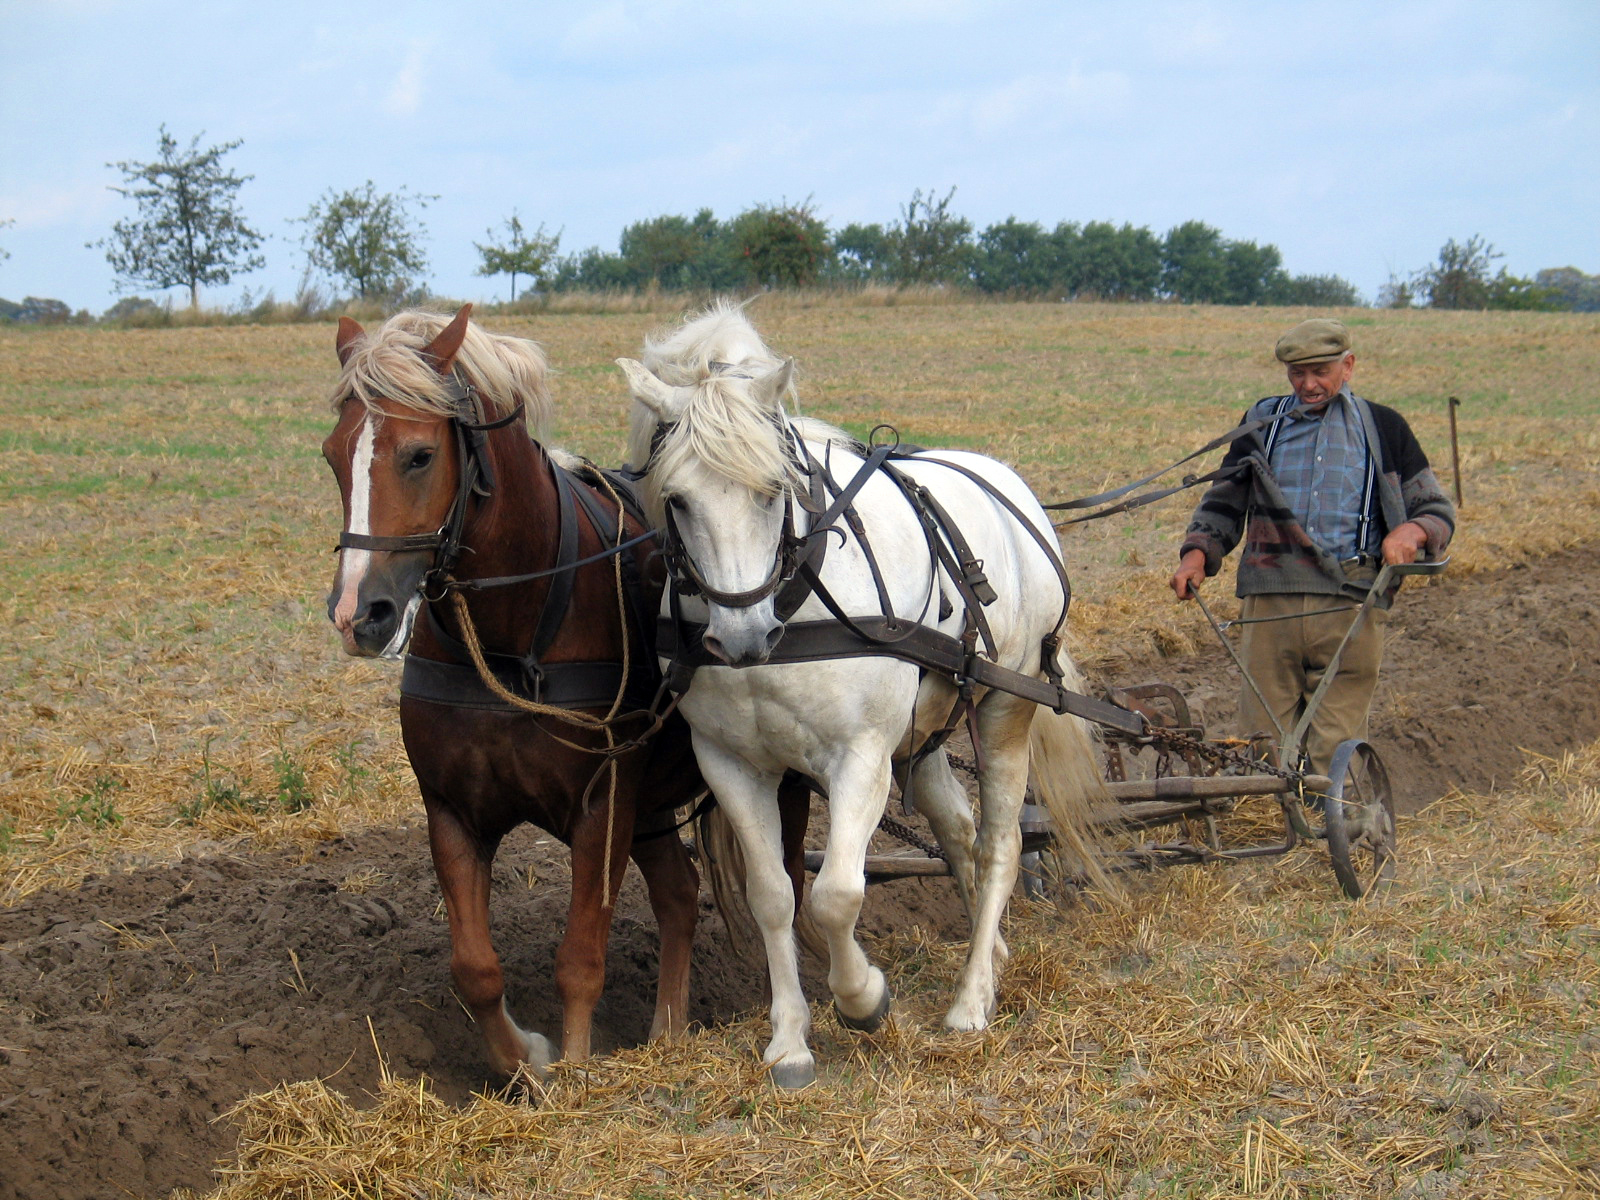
(1356, 136)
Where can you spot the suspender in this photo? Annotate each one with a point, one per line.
(1369, 486)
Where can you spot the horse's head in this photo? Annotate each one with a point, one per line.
(399, 473)
(720, 477)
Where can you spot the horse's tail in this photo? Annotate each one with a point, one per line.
(722, 860)
(1065, 763)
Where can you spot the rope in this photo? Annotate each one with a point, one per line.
(582, 720)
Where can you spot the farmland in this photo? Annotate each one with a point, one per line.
(171, 695)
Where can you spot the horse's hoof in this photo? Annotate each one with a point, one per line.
(792, 1076)
(539, 1053)
(869, 1023)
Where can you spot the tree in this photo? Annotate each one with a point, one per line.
(931, 244)
(189, 229)
(1397, 293)
(1571, 288)
(781, 245)
(1249, 272)
(367, 239)
(680, 253)
(4, 253)
(520, 255)
(1461, 279)
(1109, 263)
(1015, 256)
(863, 253)
(1313, 291)
(1193, 267)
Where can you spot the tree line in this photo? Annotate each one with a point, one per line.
(188, 231)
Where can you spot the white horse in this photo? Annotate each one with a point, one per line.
(725, 478)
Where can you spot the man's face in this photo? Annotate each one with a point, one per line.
(1315, 384)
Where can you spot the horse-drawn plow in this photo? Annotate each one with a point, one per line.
(1170, 778)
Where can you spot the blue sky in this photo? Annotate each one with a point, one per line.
(1355, 136)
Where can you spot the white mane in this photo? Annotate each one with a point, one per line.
(723, 424)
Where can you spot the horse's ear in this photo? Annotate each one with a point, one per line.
(655, 395)
(350, 332)
(444, 348)
(776, 384)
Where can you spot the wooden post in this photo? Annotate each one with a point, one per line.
(1455, 449)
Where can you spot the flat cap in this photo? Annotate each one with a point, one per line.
(1314, 341)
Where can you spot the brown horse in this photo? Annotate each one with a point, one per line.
(460, 526)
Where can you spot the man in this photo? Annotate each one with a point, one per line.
(1331, 488)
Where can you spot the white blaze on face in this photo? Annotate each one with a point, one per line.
(353, 563)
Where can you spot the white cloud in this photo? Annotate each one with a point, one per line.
(405, 94)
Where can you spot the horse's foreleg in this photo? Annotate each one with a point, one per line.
(604, 833)
(1003, 722)
(748, 800)
(674, 887)
(856, 795)
(462, 861)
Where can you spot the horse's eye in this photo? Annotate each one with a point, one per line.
(419, 459)
(678, 502)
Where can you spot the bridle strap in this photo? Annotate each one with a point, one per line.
(406, 544)
(476, 477)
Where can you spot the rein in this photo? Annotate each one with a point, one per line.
(1245, 429)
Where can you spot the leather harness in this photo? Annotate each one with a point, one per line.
(569, 684)
(888, 634)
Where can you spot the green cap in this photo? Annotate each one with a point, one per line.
(1314, 341)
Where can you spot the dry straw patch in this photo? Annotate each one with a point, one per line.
(1230, 1032)
(168, 677)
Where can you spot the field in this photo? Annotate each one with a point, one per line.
(172, 695)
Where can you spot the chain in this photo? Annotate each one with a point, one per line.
(910, 837)
(1171, 739)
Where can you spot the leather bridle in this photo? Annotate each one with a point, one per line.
(475, 478)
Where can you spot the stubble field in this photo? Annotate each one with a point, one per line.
(171, 694)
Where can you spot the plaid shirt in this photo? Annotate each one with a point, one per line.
(1248, 508)
(1323, 466)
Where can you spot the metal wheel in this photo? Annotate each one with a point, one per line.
(1360, 814)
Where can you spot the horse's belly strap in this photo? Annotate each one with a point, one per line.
(563, 685)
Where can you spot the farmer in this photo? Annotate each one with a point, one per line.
(1334, 487)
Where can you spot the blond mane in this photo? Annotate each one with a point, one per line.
(388, 364)
(722, 425)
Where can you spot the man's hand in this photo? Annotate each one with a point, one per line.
(1191, 574)
(1403, 544)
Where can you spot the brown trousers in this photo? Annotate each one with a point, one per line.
(1288, 659)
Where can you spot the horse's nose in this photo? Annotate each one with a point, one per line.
(375, 623)
(745, 651)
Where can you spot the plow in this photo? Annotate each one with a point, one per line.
(1172, 793)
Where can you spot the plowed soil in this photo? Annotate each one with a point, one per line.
(136, 1008)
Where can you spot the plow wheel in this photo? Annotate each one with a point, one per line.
(1359, 809)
